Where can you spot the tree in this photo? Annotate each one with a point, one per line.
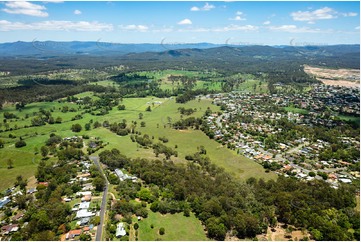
(87, 126)
(136, 226)
(142, 124)
(2, 143)
(99, 183)
(121, 107)
(10, 163)
(148, 109)
(76, 128)
(20, 143)
(44, 151)
(85, 237)
(95, 220)
(140, 116)
(161, 231)
(58, 120)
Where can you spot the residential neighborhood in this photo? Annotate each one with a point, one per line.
(280, 131)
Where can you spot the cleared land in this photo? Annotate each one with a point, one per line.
(157, 125)
(177, 227)
(335, 77)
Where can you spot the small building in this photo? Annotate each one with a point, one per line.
(31, 190)
(73, 233)
(7, 229)
(84, 205)
(17, 216)
(84, 214)
(4, 201)
(120, 230)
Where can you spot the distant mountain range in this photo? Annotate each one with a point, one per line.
(37, 56)
(56, 48)
(51, 48)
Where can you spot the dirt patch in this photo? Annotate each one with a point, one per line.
(32, 182)
(280, 234)
(335, 77)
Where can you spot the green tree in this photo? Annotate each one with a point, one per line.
(44, 151)
(140, 115)
(95, 220)
(161, 231)
(136, 226)
(10, 163)
(76, 128)
(148, 109)
(99, 183)
(2, 143)
(20, 143)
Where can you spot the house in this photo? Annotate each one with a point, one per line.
(4, 201)
(345, 180)
(9, 228)
(44, 183)
(86, 198)
(84, 214)
(83, 221)
(120, 230)
(84, 205)
(78, 194)
(31, 190)
(73, 233)
(18, 216)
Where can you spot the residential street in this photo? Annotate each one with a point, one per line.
(103, 207)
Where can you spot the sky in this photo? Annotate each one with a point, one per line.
(229, 22)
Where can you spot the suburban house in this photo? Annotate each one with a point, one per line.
(120, 230)
(73, 233)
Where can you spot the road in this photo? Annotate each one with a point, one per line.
(103, 207)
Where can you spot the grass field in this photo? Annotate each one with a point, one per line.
(349, 118)
(296, 110)
(177, 227)
(156, 125)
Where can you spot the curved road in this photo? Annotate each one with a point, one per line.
(103, 207)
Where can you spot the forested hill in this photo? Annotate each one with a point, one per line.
(247, 59)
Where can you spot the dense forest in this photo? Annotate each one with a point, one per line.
(225, 205)
(225, 59)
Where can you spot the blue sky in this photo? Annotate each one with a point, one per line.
(230, 22)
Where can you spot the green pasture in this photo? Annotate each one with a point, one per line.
(177, 228)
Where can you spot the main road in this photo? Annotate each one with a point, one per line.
(103, 207)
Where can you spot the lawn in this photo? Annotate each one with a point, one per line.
(177, 227)
(296, 110)
(352, 119)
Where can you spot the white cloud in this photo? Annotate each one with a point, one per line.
(206, 7)
(295, 29)
(358, 27)
(237, 18)
(77, 12)
(53, 1)
(140, 28)
(26, 8)
(56, 26)
(267, 22)
(312, 16)
(195, 8)
(232, 27)
(185, 22)
(350, 14)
